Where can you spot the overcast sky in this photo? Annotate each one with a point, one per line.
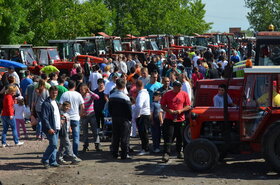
(225, 14)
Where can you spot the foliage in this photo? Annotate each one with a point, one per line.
(37, 21)
(263, 13)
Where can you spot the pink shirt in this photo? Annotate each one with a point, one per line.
(89, 102)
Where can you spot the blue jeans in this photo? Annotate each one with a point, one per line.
(50, 154)
(7, 122)
(39, 125)
(75, 126)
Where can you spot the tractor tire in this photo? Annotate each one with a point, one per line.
(201, 155)
(187, 134)
(271, 146)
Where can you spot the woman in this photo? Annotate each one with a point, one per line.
(39, 96)
(11, 82)
(8, 116)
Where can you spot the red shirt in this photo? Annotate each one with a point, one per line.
(8, 105)
(175, 101)
(196, 77)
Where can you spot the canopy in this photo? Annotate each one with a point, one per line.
(49, 69)
(9, 63)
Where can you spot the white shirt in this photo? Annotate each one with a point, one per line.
(145, 80)
(142, 105)
(19, 111)
(93, 77)
(195, 58)
(187, 88)
(123, 67)
(56, 114)
(224, 63)
(109, 86)
(76, 100)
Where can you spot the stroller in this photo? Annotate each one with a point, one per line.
(106, 134)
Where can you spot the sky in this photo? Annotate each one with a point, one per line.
(225, 14)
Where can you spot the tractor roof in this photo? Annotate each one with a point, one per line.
(263, 69)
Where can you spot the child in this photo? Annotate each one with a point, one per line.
(157, 120)
(65, 144)
(19, 115)
(133, 120)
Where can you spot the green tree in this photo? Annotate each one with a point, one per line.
(144, 17)
(14, 27)
(263, 13)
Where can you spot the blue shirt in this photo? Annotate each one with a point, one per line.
(219, 101)
(151, 88)
(24, 83)
(156, 109)
(235, 59)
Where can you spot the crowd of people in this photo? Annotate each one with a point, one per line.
(142, 98)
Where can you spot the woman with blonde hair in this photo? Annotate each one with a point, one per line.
(39, 96)
(8, 116)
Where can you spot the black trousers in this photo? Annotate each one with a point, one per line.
(99, 118)
(121, 131)
(143, 123)
(172, 130)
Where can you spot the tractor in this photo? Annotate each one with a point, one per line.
(251, 126)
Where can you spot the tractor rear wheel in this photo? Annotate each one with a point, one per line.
(271, 146)
(201, 155)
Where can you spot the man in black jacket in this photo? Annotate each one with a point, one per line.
(51, 126)
(120, 110)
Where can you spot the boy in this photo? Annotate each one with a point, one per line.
(157, 120)
(65, 144)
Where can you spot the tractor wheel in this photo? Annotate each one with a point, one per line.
(187, 134)
(271, 146)
(201, 155)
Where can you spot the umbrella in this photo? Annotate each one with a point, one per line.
(49, 69)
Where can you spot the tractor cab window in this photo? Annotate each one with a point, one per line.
(27, 55)
(269, 55)
(256, 98)
(117, 45)
(276, 91)
(43, 57)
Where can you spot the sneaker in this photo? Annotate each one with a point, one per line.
(55, 165)
(126, 157)
(4, 145)
(19, 143)
(62, 162)
(45, 164)
(76, 160)
(143, 152)
(165, 158)
(180, 155)
(157, 150)
(98, 147)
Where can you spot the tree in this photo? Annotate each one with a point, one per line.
(263, 13)
(144, 17)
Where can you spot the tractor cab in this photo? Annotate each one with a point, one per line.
(46, 55)
(95, 46)
(68, 49)
(252, 125)
(18, 53)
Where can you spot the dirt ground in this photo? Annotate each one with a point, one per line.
(21, 165)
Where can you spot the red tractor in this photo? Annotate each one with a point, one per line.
(253, 125)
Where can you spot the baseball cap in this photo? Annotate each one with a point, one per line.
(19, 98)
(177, 83)
(11, 67)
(157, 93)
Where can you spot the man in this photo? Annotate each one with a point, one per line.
(130, 63)
(87, 67)
(26, 82)
(153, 85)
(77, 107)
(142, 114)
(145, 77)
(100, 103)
(51, 127)
(12, 72)
(166, 86)
(120, 109)
(219, 98)
(60, 87)
(110, 85)
(234, 58)
(174, 69)
(93, 77)
(174, 102)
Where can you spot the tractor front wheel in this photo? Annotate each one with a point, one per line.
(201, 155)
(271, 146)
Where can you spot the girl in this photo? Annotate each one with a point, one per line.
(19, 115)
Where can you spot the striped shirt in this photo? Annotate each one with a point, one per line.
(89, 102)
